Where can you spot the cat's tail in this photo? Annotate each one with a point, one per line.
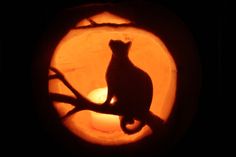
(130, 126)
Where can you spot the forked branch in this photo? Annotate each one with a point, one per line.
(81, 103)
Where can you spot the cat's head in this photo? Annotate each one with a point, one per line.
(119, 48)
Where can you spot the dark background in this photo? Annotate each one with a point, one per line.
(23, 25)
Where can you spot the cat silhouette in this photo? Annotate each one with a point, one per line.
(129, 88)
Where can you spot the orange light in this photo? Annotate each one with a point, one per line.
(102, 122)
(83, 56)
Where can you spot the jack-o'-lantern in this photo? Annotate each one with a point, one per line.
(83, 56)
(106, 60)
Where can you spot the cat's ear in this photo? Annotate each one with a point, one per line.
(111, 41)
(128, 44)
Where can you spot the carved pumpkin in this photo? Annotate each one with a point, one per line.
(80, 55)
(83, 56)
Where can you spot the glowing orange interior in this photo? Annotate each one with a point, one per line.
(83, 56)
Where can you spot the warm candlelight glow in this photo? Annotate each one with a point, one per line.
(99, 121)
(83, 56)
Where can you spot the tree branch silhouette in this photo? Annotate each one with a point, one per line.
(93, 24)
(81, 103)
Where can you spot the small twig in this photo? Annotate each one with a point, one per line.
(92, 22)
(60, 76)
(63, 98)
(53, 77)
(105, 24)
